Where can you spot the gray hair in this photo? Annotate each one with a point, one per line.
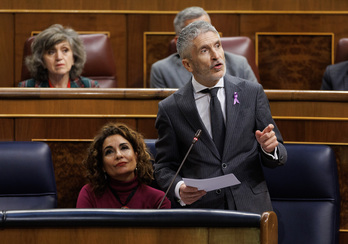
(47, 39)
(187, 14)
(189, 33)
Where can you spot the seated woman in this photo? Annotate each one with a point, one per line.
(118, 170)
(57, 60)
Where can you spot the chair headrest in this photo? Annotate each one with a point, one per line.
(342, 50)
(310, 172)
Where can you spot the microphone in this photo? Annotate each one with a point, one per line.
(195, 139)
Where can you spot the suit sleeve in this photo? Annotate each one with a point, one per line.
(156, 77)
(264, 118)
(326, 80)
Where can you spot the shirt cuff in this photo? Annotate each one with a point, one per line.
(177, 194)
(274, 155)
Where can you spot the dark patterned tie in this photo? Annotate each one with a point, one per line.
(216, 119)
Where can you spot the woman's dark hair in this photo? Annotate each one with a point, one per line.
(94, 161)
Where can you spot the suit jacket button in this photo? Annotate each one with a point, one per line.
(224, 166)
(218, 191)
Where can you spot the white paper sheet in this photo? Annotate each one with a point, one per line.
(211, 184)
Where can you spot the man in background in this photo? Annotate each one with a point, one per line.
(336, 77)
(170, 73)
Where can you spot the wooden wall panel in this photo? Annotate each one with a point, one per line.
(147, 128)
(138, 234)
(293, 60)
(7, 129)
(227, 24)
(115, 24)
(6, 50)
(28, 129)
(342, 164)
(69, 172)
(160, 5)
(317, 131)
(296, 23)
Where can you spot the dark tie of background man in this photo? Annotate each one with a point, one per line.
(216, 119)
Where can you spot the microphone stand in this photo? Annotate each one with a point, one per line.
(195, 139)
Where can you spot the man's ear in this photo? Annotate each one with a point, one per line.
(187, 65)
(176, 39)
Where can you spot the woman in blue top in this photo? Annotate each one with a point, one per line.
(57, 60)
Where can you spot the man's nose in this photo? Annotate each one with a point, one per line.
(215, 54)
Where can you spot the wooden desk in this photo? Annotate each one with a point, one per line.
(69, 118)
(138, 226)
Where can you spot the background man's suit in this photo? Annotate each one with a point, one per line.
(178, 120)
(336, 77)
(170, 72)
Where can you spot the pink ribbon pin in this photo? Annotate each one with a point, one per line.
(235, 98)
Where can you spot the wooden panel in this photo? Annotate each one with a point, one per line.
(343, 237)
(147, 128)
(232, 5)
(227, 24)
(69, 172)
(286, 22)
(114, 24)
(307, 109)
(293, 60)
(7, 129)
(313, 130)
(6, 50)
(130, 235)
(239, 235)
(28, 129)
(342, 164)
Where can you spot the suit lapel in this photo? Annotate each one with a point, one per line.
(186, 103)
(232, 111)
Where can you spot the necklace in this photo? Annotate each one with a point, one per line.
(124, 205)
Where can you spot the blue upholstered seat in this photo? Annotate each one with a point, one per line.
(305, 195)
(27, 178)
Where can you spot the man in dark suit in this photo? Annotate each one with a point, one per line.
(170, 73)
(250, 134)
(336, 77)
